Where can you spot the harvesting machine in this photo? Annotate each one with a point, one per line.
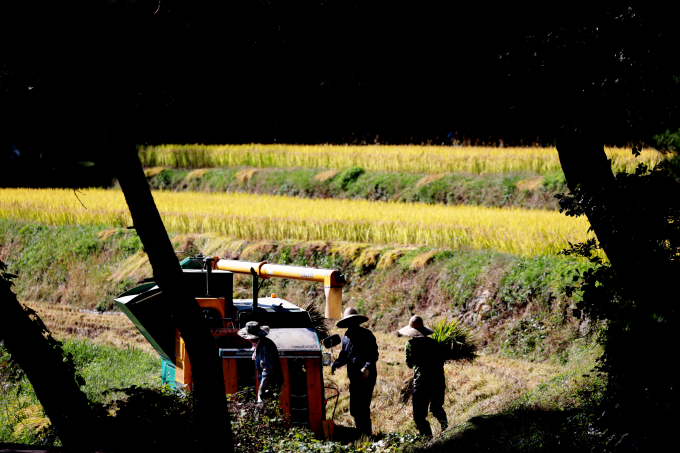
(211, 282)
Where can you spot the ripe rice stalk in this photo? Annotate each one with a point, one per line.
(357, 223)
(325, 175)
(31, 418)
(529, 184)
(197, 174)
(404, 158)
(349, 251)
(106, 234)
(456, 340)
(136, 266)
(245, 175)
(430, 178)
(423, 259)
(369, 257)
(391, 256)
(154, 171)
(255, 251)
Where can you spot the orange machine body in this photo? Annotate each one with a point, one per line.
(302, 394)
(291, 329)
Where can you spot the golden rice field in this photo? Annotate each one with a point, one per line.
(257, 217)
(403, 158)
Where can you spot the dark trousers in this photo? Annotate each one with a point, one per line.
(429, 396)
(360, 396)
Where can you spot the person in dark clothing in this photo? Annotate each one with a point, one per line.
(360, 354)
(267, 362)
(424, 355)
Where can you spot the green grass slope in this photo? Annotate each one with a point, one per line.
(515, 189)
(517, 305)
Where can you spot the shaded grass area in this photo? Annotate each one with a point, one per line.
(557, 415)
(102, 366)
(520, 189)
(107, 367)
(110, 328)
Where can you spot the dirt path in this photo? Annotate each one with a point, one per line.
(67, 321)
(483, 388)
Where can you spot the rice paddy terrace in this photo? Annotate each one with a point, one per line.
(439, 231)
(409, 158)
(268, 217)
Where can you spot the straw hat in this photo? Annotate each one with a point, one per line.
(416, 328)
(351, 317)
(253, 331)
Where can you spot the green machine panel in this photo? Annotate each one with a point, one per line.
(146, 306)
(168, 373)
(147, 311)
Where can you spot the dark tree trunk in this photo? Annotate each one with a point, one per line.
(209, 391)
(612, 215)
(585, 165)
(53, 378)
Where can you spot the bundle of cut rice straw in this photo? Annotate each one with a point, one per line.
(455, 340)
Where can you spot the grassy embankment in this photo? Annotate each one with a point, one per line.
(518, 189)
(86, 266)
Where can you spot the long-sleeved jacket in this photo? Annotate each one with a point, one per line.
(425, 357)
(268, 365)
(359, 350)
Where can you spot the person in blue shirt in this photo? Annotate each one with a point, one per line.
(423, 354)
(267, 361)
(360, 354)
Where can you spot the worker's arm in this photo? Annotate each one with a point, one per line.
(409, 358)
(342, 359)
(268, 384)
(371, 350)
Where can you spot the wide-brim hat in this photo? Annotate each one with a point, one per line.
(416, 328)
(351, 317)
(253, 331)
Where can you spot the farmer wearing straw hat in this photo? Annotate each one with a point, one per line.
(360, 354)
(267, 362)
(423, 355)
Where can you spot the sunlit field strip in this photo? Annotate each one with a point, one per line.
(410, 159)
(246, 216)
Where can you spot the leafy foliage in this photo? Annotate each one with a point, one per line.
(302, 440)
(348, 176)
(632, 309)
(668, 140)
